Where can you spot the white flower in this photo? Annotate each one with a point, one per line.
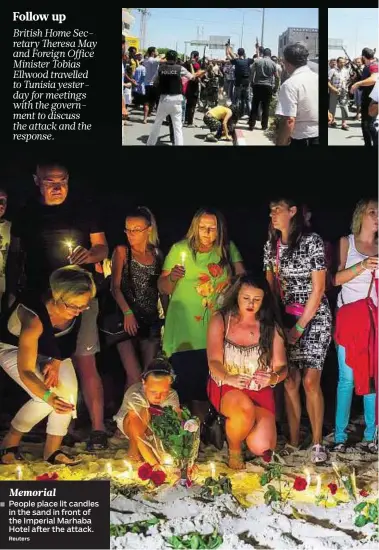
(191, 425)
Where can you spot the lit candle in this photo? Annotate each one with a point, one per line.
(308, 476)
(70, 247)
(129, 469)
(168, 460)
(183, 257)
(19, 472)
(318, 487)
(212, 468)
(72, 401)
(108, 468)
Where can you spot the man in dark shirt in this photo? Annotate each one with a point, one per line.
(49, 233)
(265, 79)
(242, 78)
(192, 94)
(366, 84)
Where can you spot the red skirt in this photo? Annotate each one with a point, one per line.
(263, 398)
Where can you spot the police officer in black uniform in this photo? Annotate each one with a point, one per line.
(170, 90)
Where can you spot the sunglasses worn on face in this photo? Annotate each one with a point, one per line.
(136, 231)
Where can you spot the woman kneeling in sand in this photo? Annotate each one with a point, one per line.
(247, 359)
(138, 405)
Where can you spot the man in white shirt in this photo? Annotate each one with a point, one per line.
(152, 65)
(338, 80)
(298, 100)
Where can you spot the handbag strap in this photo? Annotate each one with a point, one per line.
(371, 284)
(276, 274)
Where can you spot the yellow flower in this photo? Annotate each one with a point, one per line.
(205, 289)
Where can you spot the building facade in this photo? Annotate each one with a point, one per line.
(308, 37)
(127, 21)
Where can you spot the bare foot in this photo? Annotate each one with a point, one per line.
(236, 461)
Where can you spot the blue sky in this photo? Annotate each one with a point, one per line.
(171, 27)
(357, 27)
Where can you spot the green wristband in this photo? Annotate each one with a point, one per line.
(299, 328)
(354, 269)
(46, 395)
(128, 312)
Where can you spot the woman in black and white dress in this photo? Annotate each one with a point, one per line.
(294, 261)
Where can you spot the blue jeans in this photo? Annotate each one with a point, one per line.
(344, 397)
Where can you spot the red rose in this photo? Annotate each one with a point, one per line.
(155, 411)
(332, 488)
(267, 455)
(300, 484)
(158, 477)
(204, 278)
(145, 471)
(48, 477)
(364, 493)
(215, 270)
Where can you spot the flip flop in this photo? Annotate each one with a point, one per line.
(53, 459)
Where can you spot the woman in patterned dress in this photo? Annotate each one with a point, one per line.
(294, 261)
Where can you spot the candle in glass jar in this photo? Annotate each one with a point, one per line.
(129, 469)
(70, 247)
(307, 476)
(212, 468)
(318, 487)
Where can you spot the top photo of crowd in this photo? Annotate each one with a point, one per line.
(221, 76)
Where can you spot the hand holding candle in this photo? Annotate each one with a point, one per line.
(177, 273)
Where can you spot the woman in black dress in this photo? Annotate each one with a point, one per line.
(136, 267)
(294, 261)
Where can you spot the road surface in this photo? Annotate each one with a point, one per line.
(136, 133)
(336, 136)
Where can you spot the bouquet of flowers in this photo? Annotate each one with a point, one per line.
(179, 435)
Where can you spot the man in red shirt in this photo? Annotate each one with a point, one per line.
(369, 77)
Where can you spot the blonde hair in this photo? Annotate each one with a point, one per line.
(71, 281)
(359, 212)
(222, 245)
(146, 214)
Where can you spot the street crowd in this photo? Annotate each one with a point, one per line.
(353, 87)
(225, 91)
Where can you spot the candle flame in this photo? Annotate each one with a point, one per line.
(183, 257)
(19, 472)
(129, 468)
(212, 468)
(108, 468)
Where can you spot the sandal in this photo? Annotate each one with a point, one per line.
(53, 459)
(10, 450)
(369, 447)
(338, 448)
(318, 454)
(288, 450)
(98, 441)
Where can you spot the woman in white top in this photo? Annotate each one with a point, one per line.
(358, 258)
